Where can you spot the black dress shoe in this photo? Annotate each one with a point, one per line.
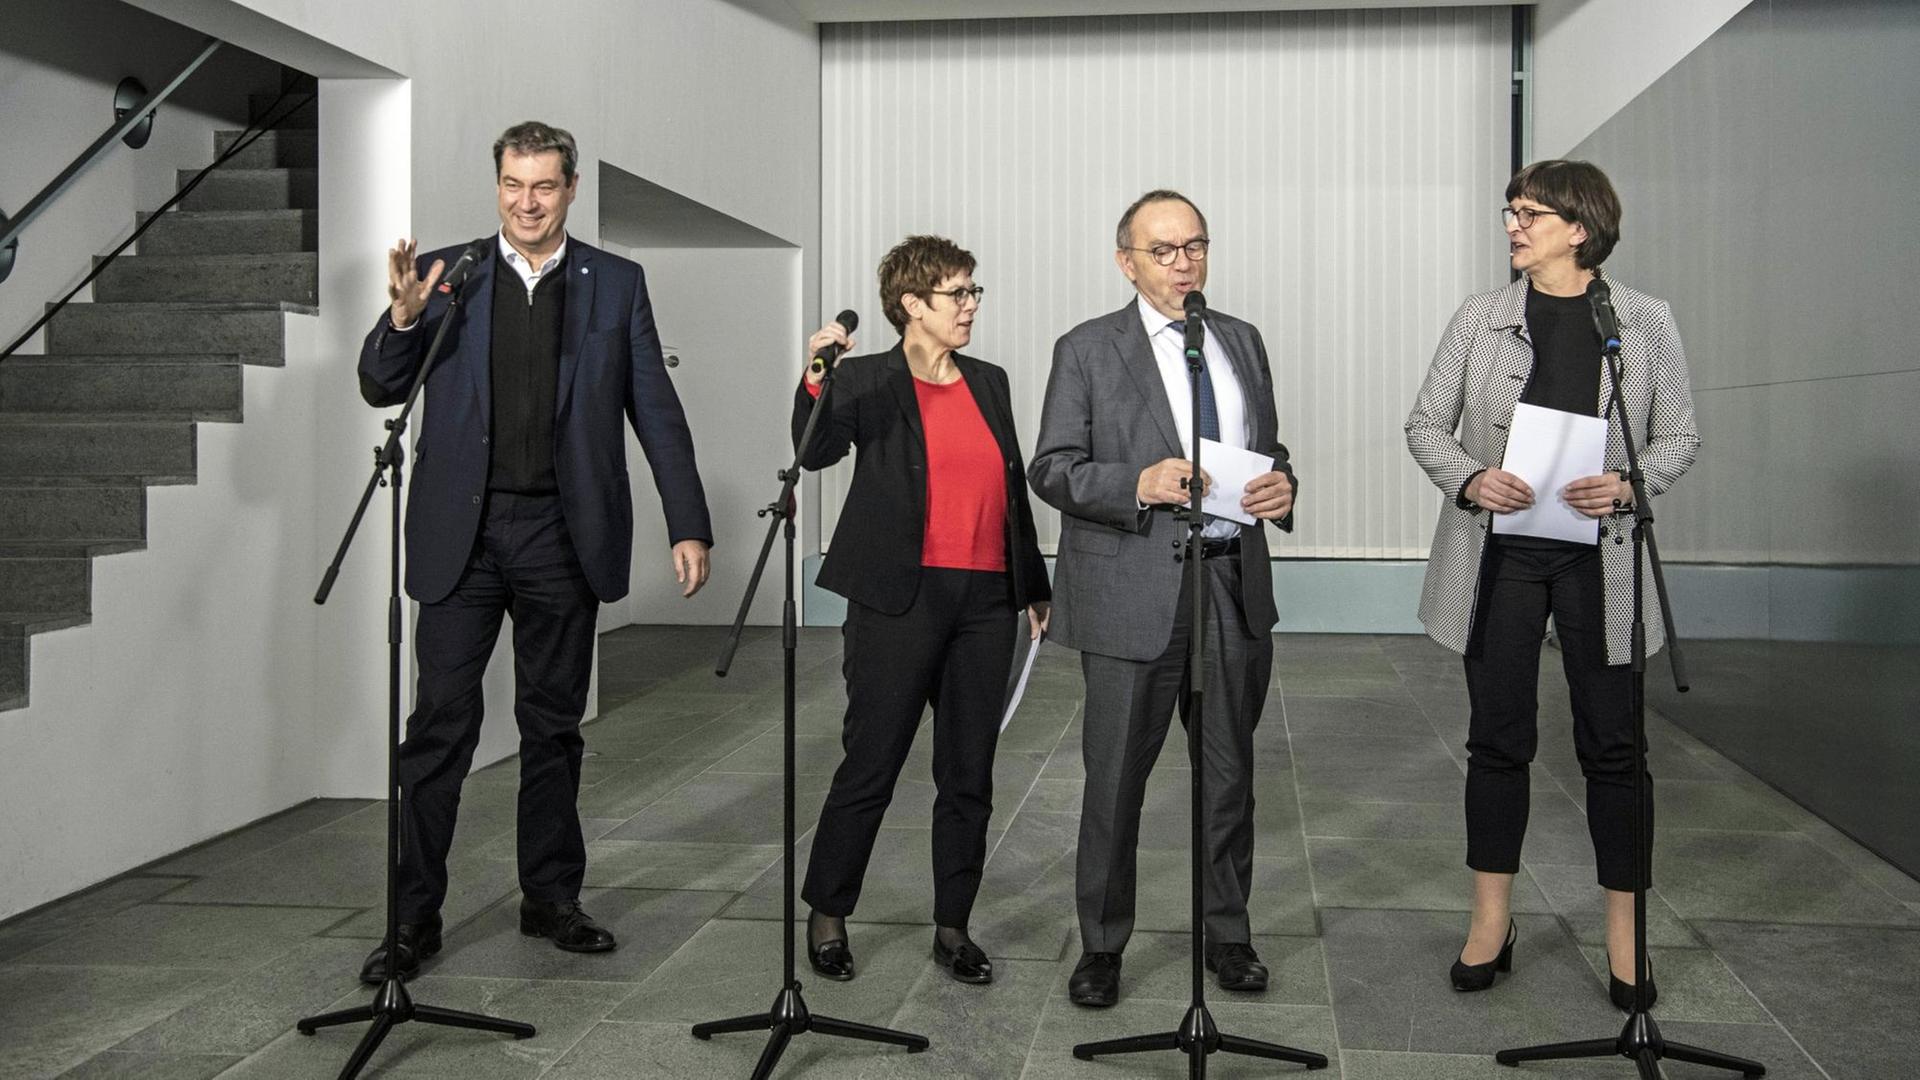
(1622, 992)
(966, 962)
(1468, 978)
(831, 959)
(416, 942)
(563, 921)
(1096, 980)
(1237, 967)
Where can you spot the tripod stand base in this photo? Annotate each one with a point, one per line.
(1197, 1037)
(789, 1017)
(1638, 1042)
(393, 1006)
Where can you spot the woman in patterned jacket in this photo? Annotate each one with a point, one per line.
(1487, 595)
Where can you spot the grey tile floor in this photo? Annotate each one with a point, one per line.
(1773, 935)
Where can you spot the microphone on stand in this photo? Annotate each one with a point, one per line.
(1196, 305)
(1605, 320)
(457, 275)
(849, 321)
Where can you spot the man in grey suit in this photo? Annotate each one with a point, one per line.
(1112, 458)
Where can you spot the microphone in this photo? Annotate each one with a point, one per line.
(1605, 320)
(850, 321)
(1196, 305)
(457, 275)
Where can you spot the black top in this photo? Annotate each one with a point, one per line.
(1566, 373)
(526, 372)
(1566, 354)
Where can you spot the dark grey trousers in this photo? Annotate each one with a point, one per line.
(1130, 705)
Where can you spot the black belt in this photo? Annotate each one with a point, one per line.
(1213, 549)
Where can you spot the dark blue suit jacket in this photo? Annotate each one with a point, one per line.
(610, 369)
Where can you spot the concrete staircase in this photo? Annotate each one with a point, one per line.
(112, 406)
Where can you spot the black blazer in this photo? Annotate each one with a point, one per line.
(875, 557)
(611, 375)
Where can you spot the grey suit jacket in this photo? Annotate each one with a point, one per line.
(1106, 418)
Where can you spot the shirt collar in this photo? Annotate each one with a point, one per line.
(522, 266)
(1151, 318)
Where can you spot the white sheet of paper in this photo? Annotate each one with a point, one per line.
(1231, 468)
(1019, 689)
(1550, 449)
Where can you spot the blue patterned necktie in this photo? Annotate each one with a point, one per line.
(1209, 412)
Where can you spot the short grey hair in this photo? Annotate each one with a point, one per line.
(534, 137)
(1123, 236)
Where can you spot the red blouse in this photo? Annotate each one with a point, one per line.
(966, 482)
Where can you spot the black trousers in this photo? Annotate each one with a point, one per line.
(953, 649)
(523, 565)
(1520, 585)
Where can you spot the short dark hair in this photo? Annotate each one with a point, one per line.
(918, 265)
(534, 137)
(1581, 194)
(1123, 236)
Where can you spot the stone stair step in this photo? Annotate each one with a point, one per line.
(231, 232)
(74, 448)
(282, 148)
(254, 332)
(253, 189)
(46, 583)
(198, 388)
(39, 622)
(292, 276)
(79, 513)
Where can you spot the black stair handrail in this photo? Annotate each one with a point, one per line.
(123, 122)
(254, 130)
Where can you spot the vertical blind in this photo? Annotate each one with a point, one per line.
(1350, 165)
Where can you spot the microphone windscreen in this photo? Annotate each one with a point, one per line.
(1195, 302)
(849, 319)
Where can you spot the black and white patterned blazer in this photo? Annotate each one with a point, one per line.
(1477, 376)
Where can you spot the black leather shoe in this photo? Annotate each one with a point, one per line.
(1468, 978)
(563, 921)
(1096, 980)
(416, 942)
(831, 959)
(966, 962)
(1237, 967)
(1622, 992)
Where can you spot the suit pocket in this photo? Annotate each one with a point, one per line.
(1095, 543)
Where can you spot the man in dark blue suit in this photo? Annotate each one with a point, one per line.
(520, 507)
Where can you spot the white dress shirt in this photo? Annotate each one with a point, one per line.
(1229, 402)
(528, 275)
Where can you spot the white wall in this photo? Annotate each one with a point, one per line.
(1349, 163)
(1592, 57)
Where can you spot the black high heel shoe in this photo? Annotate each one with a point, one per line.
(830, 959)
(1621, 993)
(1468, 978)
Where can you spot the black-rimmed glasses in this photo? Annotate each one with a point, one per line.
(1525, 215)
(1165, 254)
(960, 296)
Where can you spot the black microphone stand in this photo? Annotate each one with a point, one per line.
(788, 1016)
(1639, 1041)
(392, 1005)
(1197, 1036)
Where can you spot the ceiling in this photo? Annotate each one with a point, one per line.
(821, 11)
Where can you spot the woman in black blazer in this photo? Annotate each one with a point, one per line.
(935, 553)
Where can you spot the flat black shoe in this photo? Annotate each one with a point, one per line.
(1237, 967)
(831, 960)
(1621, 993)
(1096, 980)
(563, 921)
(1469, 978)
(416, 942)
(966, 962)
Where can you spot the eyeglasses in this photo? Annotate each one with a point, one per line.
(1165, 254)
(1525, 215)
(960, 296)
